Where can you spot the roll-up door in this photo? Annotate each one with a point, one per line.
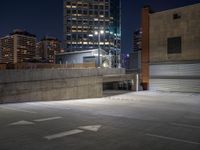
(175, 77)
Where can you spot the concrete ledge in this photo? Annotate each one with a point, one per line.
(52, 84)
(10, 76)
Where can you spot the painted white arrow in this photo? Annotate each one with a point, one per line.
(63, 134)
(93, 128)
(23, 122)
(47, 119)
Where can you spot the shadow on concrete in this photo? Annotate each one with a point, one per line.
(108, 93)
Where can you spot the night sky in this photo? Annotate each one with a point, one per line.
(45, 17)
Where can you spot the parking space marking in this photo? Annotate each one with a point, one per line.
(20, 110)
(47, 119)
(172, 139)
(93, 128)
(63, 134)
(196, 112)
(193, 118)
(57, 107)
(49, 106)
(185, 125)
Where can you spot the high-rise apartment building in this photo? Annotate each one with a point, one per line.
(83, 17)
(18, 46)
(47, 48)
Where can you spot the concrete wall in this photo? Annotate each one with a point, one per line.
(52, 84)
(163, 26)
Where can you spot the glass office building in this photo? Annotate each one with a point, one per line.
(82, 18)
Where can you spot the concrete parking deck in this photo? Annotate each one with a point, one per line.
(127, 121)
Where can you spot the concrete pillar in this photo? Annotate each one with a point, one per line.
(145, 48)
(135, 83)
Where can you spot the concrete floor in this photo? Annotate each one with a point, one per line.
(129, 121)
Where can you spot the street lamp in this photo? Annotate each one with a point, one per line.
(99, 39)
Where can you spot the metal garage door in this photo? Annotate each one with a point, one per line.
(175, 77)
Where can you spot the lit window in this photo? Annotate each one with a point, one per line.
(176, 16)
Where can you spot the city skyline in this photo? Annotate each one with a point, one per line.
(47, 18)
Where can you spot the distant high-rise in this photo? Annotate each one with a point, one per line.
(47, 48)
(115, 26)
(83, 17)
(137, 40)
(18, 46)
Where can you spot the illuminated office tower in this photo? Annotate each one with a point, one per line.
(82, 18)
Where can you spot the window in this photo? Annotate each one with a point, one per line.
(85, 12)
(176, 16)
(174, 45)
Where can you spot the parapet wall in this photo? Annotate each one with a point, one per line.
(52, 84)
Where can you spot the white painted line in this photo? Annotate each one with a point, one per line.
(93, 128)
(57, 107)
(63, 134)
(49, 106)
(23, 122)
(185, 125)
(173, 139)
(193, 118)
(196, 112)
(47, 119)
(20, 110)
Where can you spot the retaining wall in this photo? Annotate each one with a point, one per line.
(52, 84)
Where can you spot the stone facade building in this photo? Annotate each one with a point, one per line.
(171, 49)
